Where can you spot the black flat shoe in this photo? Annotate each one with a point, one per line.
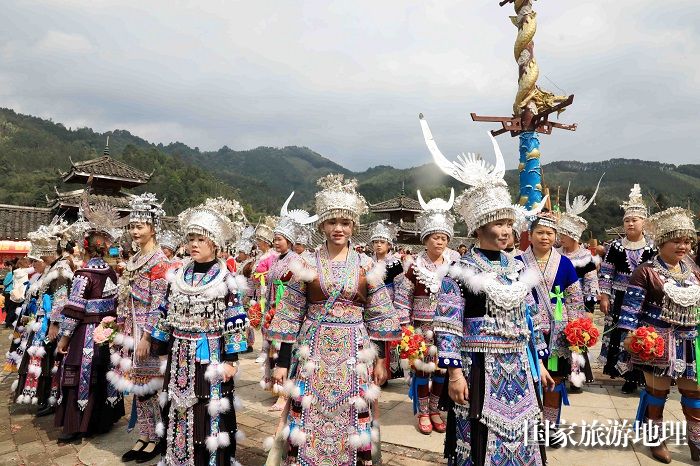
(575, 390)
(146, 456)
(69, 438)
(134, 453)
(46, 411)
(629, 387)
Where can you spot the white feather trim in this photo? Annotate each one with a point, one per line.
(163, 366)
(301, 271)
(375, 435)
(304, 352)
(309, 367)
(372, 393)
(224, 439)
(231, 283)
(162, 399)
(41, 352)
(128, 342)
(365, 439)
(297, 437)
(125, 364)
(170, 275)
(285, 432)
(237, 403)
(360, 404)
(307, 401)
(375, 276)
(240, 436)
(578, 360)
(577, 378)
(35, 400)
(212, 443)
(529, 277)
(268, 443)
(361, 369)
(160, 429)
(368, 354)
(355, 441)
(115, 359)
(119, 339)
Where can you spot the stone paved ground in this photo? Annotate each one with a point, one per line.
(25, 440)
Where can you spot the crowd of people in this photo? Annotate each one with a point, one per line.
(168, 323)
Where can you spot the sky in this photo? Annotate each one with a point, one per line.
(349, 78)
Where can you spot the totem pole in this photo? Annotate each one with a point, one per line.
(531, 108)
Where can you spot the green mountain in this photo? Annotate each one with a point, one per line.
(34, 150)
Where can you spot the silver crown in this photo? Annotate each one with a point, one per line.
(383, 230)
(170, 239)
(634, 206)
(436, 216)
(294, 222)
(488, 199)
(338, 198)
(265, 229)
(45, 239)
(218, 219)
(246, 242)
(672, 223)
(145, 208)
(304, 238)
(570, 222)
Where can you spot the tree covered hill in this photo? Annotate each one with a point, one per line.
(34, 150)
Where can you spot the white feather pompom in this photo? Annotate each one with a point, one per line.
(304, 352)
(240, 436)
(40, 352)
(360, 404)
(530, 277)
(355, 441)
(577, 378)
(14, 385)
(578, 359)
(307, 401)
(237, 403)
(268, 443)
(54, 369)
(129, 342)
(125, 364)
(119, 339)
(163, 399)
(376, 274)
(368, 354)
(224, 439)
(297, 437)
(160, 429)
(361, 369)
(432, 350)
(309, 367)
(285, 432)
(373, 392)
(212, 443)
(52, 401)
(115, 358)
(163, 366)
(429, 334)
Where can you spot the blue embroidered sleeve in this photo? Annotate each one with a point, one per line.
(607, 271)
(632, 304)
(68, 326)
(380, 316)
(161, 330)
(449, 323)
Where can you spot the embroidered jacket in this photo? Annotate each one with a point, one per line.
(619, 263)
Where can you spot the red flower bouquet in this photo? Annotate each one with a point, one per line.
(581, 334)
(255, 314)
(411, 347)
(646, 343)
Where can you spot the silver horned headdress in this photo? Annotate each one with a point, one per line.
(99, 217)
(293, 222)
(570, 222)
(383, 230)
(218, 219)
(488, 199)
(634, 206)
(436, 216)
(45, 240)
(145, 208)
(338, 198)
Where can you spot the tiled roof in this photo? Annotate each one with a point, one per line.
(398, 203)
(16, 221)
(105, 167)
(73, 199)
